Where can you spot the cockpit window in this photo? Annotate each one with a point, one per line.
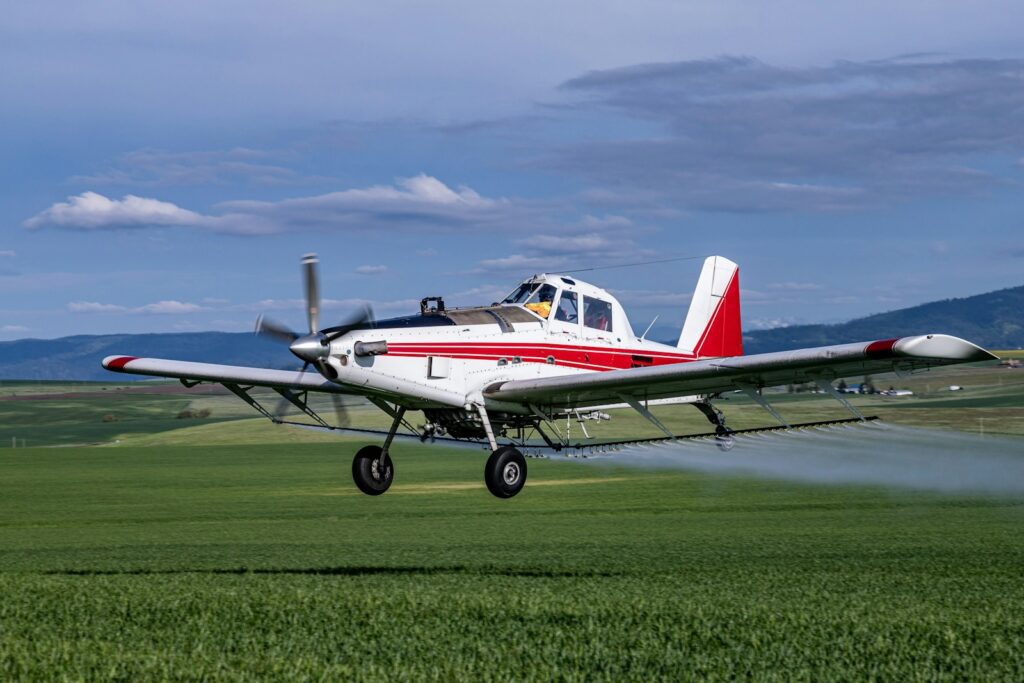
(521, 293)
(597, 314)
(568, 310)
(542, 300)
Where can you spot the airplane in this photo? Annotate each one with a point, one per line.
(555, 347)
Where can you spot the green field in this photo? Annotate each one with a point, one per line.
(228, 548)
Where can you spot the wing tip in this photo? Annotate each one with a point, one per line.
(117, 362)
(944, 346)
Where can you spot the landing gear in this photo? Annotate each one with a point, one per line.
(372, 470)
(723, 435)
(505, 472)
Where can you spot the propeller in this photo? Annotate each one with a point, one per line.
(314, 347)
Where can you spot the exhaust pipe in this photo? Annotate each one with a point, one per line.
(373, 348)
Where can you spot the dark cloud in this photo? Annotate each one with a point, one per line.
(737, 134)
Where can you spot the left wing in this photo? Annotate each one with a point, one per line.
(223, 374)
(707, 377)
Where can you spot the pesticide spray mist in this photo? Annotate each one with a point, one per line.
(874, 453)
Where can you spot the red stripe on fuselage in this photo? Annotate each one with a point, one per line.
(584, 357)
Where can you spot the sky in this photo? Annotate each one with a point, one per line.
(166, 164)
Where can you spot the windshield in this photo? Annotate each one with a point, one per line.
(521, 293)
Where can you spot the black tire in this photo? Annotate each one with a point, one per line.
(505, 472)
(372, 470)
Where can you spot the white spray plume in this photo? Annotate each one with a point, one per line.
(873, 454)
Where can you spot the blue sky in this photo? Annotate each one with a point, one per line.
(165, 166)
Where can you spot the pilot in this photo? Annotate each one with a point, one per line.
(545, 298)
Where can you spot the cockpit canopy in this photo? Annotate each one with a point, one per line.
(561, 299)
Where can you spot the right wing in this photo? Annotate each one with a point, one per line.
(713, 376)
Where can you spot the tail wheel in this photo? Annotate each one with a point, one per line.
(372, 470)
(505, 472)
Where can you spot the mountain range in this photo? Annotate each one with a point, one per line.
(994, 320)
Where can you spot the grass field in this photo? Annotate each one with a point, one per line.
(235, 550)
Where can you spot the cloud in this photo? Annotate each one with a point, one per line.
(521, 264)
(412, 203)
(92, 211)
(770, 323)
(738, 134)
(795, 286)
(10, 253)
(159, 308)
(94, 307)
(13, 328)
(163, 307)
(371, 270)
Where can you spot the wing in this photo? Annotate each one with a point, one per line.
(223, 374)
(713, 376)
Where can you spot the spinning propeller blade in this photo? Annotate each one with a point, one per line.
(274, 330)
(354, 320)
(312, 281)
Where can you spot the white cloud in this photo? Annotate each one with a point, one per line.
(92, 211)
(14, 328)
(769, 323)
(159, 308)
(371, 270)
(162, 307)
(94, 307)
(519, 262)
(8, 253)
(795, 286)
(418, 202)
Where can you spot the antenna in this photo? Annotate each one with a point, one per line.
(631, 265)
(648, 328)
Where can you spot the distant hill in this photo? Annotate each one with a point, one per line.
(994, 320)
(78, 357)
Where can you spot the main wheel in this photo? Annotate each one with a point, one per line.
(372, 470)
(505, 472)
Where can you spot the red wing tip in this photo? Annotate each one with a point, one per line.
(117, 362)
(881, 349)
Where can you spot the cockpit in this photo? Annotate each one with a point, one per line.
(561, 299)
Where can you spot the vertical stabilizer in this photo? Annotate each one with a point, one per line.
(712, 328)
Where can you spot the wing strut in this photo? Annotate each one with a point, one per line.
(243, 393)
(757, 398)
(551, 423)
(299, 401)
(642, 409)
(826, 386)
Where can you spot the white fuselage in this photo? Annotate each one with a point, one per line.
(447, 359)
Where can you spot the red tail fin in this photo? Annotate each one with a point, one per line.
(713, 328)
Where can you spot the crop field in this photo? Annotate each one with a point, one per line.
(155, 546)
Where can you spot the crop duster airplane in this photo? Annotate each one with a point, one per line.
(555, 347)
